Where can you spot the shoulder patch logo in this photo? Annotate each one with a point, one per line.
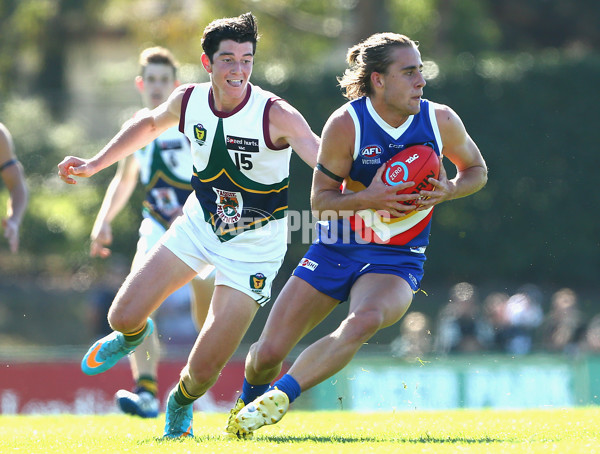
(257, 282)
(199, 134)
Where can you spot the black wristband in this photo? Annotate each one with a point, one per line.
(329, 173)
(8, 163)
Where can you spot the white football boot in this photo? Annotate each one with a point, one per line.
(262, 411)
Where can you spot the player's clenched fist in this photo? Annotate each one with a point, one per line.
(74, 166)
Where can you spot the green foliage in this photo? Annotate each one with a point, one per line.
(524, 226)
(59, 217)
(531, 112)
(530, 222)
(32, 49)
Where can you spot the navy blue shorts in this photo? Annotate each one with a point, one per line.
(334, 274)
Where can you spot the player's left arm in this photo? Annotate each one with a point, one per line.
(14, 179)
(461, 150)
(288, 126)
(135, 134)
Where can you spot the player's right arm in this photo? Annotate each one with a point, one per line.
(335, 158)
(117, 195)
(135, 134)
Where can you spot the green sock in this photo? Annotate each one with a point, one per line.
(182, 396)
(134, 338)
(147, 383)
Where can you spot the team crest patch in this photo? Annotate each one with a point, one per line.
(199, 134)
(257, 282)
(229, 206)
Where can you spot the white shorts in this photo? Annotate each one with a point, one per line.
(150, 233)
(252, 278)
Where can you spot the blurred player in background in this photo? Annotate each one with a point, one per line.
(13, 177)
(385, 86)
(242, 139)
(165, 169)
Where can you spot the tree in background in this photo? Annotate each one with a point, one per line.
(505, 58)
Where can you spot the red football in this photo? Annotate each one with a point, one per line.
(417, 163)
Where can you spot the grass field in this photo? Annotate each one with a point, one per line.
(458, 431)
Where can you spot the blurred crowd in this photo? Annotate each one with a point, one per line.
(501, 323)
(514, 324)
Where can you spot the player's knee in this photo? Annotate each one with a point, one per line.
(122, 321)
(361, 326)
(266, 355)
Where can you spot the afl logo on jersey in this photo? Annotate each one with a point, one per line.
(199, 134)
(371, 151)
(371, 154)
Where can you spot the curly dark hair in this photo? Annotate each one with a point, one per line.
(241, 29)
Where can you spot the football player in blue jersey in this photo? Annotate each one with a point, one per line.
(376, 273)
(13, 177)
(164, 167)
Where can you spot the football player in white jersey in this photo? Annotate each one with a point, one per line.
(11, 172)
(385, 85)
(164, 167)
(212, 230)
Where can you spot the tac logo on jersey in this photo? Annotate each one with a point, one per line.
(371, 151)
(242, 144)
(199, 134)
(229, 206)
(257, 282)
(306, 263)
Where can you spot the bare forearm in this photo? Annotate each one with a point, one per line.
(469, 181)
(327, 203)
(134, 135)
(17, 203)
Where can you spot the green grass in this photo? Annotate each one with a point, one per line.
(457, 431)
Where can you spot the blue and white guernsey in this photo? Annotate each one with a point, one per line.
(367, 236)
(240, 177)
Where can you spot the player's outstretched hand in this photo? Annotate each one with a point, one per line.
(74, 166)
